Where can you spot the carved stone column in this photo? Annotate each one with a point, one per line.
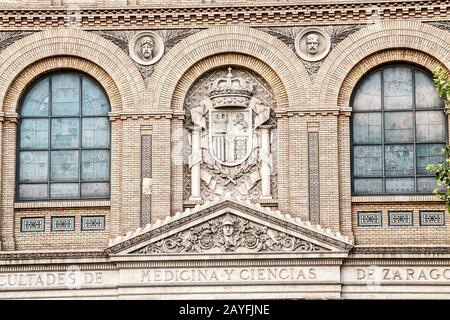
(194, 163)
(266, 162)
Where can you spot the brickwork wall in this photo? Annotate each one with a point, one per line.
(158, 14)
(156, 105)
(57, 240)
(399, 235)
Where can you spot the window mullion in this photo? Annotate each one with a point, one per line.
(49, 159)
(383, 172)
(80, 136)
(413, 80)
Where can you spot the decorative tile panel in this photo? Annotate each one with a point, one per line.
(314, 188)
(35, 224)
(369, 219)
(63, 223)
(92, 223)
(432, 218)
(400, 218)
(146, 176)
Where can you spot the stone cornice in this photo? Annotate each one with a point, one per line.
(400, 250)
(113, 116)
(266, 14)
(9, 117)
(302, 113)
(15, 255)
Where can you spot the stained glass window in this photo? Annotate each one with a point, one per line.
(398, 128)
(64, 139)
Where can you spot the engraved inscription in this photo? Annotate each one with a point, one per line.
(402, 274)
(51, 279)
(228, 274)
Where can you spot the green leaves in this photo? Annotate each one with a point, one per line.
(441, 173)
(441, 80)
(441, 170)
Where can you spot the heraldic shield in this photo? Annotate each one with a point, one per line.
(230, 134)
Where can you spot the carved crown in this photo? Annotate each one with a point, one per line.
(230, 91)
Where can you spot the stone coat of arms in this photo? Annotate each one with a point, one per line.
(229, 153)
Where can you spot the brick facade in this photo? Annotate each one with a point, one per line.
(227, 36)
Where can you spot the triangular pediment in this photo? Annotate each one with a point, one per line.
(229, 226)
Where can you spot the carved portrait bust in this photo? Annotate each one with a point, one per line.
(146, 47)
(312, 44)
(227, 227)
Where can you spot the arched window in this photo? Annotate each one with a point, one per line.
(64, 139)
(398, 128)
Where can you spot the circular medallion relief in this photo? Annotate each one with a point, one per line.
(146, 48)
(312, 44)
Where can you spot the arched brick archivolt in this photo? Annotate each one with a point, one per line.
(242, 40)
(391, 55)
(21, 82)
(224, 60)
(59, 43)
(392, 37)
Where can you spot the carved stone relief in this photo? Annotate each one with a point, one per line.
(146, 48)
(229, 233)
(311, 43)
(444, 25)
(136, 44)
(230, 113)
(9, 37)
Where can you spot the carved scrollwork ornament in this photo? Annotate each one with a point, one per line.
(146, 48)
(229, 233)
(312, 44)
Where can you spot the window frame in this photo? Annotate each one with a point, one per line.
(49, 148)
(383, 143)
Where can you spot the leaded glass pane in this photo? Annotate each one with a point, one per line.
(34, 134)
(397, 83)
(65, 133)
(426, 94)
(95, 165)
(94, 100)
(367, 161)
(54, 169)
(430, 126)
(368, 96)
(95, 190)
(399, 160)
(65, 94)
(33, 191)
(428, 154)
(36, 100)
(64, 190)
(64, 165)
(368, 186)
(398, 127)
(367, 127)
(400, 185)
(410, 144)
(427, 185)
(96, 133)
(33, 166)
